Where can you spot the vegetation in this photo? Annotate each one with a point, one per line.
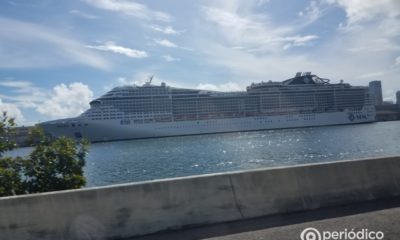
(52, 165)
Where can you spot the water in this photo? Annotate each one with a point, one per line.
(148, 159)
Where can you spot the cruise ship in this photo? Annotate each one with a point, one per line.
(132, 112)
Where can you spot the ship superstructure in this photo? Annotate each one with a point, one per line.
(130, 112)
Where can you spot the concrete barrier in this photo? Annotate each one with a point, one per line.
(281, 190)
(126, 210)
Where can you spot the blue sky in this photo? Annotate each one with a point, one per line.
(55, 56)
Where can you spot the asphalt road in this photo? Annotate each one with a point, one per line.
(374, 216)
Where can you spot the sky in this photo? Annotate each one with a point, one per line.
(55, 56)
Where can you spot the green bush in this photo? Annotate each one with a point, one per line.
(10, 176)
(53, 164)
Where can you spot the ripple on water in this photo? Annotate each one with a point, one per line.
(147, 159)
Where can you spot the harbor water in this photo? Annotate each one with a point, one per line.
(157, 158)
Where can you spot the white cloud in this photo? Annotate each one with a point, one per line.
(397, 61)
(253, 31)
(169, 58)
(299, 41)
(131, 8)
(224, 87)
(138, 79)
(371, 34)
(66, 101)
(124, 81)
(165, 43)
(166, 30)
(61, 101)
(141, 77)
(248, 44)
(83, 14)
(27, 45)
(129, 52)
(262, 2)
(371, 75)
(15, 84)
(375, 45)
(23, 93)
(207, 86)
(313, 11)
(245, 64)
(12, 111)
(358, 11)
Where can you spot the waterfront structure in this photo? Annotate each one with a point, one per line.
(375, 88)
(130, 112)
(21, 136)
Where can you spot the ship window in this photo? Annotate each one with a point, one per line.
(125, 122)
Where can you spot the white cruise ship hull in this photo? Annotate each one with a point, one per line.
(111, 130)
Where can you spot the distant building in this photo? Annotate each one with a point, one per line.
(398, 98)
(375, 88)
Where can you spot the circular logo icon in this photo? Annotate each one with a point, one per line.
(310, 234)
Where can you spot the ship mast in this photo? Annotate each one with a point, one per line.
(148, 83)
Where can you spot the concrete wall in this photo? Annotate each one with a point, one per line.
(140, 208)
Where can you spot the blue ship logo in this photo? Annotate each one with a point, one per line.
(351, 117)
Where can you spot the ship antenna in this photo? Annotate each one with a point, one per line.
(151, 79)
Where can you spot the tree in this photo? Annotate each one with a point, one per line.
(10, 169)
(53, 164)
(10, 176)
(7, 129)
